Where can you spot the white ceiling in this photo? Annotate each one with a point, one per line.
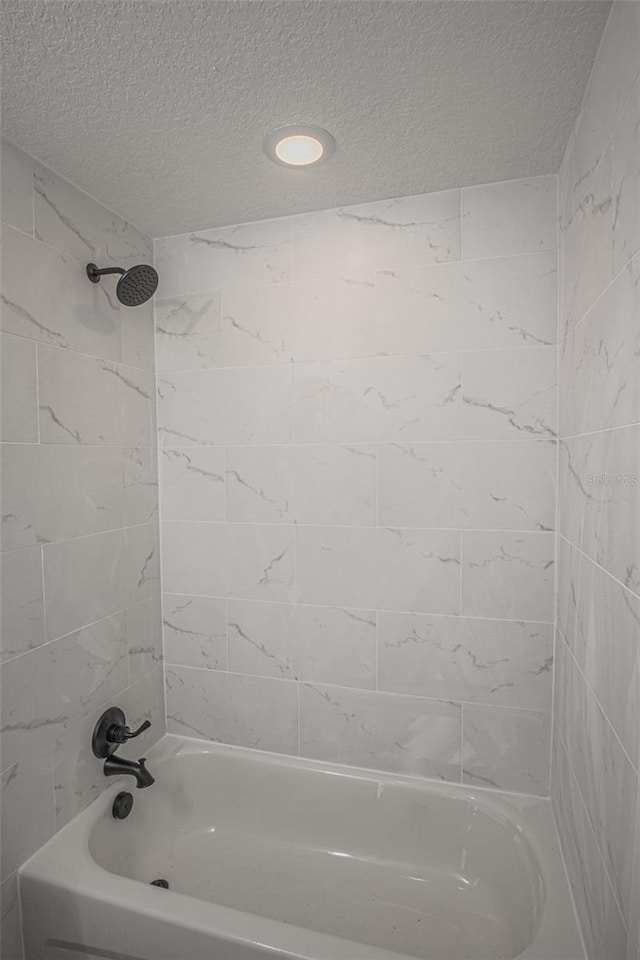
(158, 107)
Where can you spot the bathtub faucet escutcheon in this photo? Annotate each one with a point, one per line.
(110, 732)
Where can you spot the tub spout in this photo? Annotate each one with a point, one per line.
(117, 766)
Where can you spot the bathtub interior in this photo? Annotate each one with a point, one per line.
(405, 866)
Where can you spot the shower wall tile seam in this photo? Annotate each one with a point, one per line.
(593, 433)
(572, 327)
(595, 563)
(341, 606)
(327, 361)
(97, 533)
(354, 689)
(82, 353)
(521, 531)
(594, 696)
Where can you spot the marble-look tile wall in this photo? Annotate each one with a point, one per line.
(597, 690)
(357, 419)
(81, 624)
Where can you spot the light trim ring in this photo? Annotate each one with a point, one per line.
(299, 145)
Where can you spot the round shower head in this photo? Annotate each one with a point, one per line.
(135, 286)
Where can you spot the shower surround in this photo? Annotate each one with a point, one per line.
(597, 698)
(80, 563)
(357, 419)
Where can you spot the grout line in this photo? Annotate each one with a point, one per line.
(85, 536)
(298, 718)
(594, 695)
(462, 722)
(454, 351)
(592, 433)
(599, 566)
(100, 357)
(370, 610)
(556, 572)
(504, 709)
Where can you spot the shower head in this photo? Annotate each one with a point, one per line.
(135, 286)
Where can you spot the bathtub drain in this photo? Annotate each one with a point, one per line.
(160, 883)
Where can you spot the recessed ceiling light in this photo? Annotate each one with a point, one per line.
(299, 145)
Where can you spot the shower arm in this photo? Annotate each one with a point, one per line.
(94, 274)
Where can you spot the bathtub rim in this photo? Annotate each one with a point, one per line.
(66, 862)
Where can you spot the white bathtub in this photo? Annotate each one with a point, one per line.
(268, 856)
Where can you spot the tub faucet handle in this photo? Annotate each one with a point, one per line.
(111, 730)
(120, 734)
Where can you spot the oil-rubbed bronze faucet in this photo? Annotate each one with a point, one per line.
(110, 731)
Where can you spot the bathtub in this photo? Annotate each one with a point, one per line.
(270, 856)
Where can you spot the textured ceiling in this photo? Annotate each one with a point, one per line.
(159, 108)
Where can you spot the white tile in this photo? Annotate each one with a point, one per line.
(607, 650)
(382, 731)
(606, 778)
(334, 484)
(140, 474)
(228, 560)
(568, 561)
(377, 236)
(508, 575)
(327, 319)
(601, 923)
(612, 77)
(600, 365)
(192, 483)
(78, 225)
(189, 332)
(57, 491)
(298, 642)
(503, 485)
(258, 712)
(92, 577)
(137, 346)
(509, 394)
(22, 602)
(63, 308)
(387, 398)
(476, 305)
(252, 405)
(314, 484)
(78, 776)
(47, 689)
(504, 219)
(506, 748)
(87, 400)
(195, 631)
(625, 151)
(588, 246)
(483, 661)
(143, 623)
(226, 258)
(598, 494)
(26, 790)
(142, 562)
(84, 580)
(16, 175)
(379, 568)
(260, 484)
(10, 925)
(18, 398)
